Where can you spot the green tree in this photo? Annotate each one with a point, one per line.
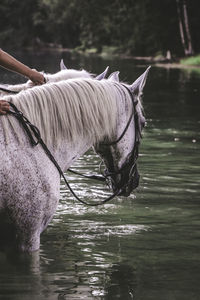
(132, 26)
(58, 22)
(17, 28)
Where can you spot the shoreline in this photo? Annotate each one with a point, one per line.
(156, 62)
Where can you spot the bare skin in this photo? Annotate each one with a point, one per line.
(12, 64)
(4, 107)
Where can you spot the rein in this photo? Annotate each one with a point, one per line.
(14, 92)
(35, 139)
(8, 91)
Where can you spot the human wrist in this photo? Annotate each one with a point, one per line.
(29, 73)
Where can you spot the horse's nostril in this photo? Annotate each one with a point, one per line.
(124, 193)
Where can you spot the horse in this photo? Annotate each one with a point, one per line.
(73, 116)
(63, 74)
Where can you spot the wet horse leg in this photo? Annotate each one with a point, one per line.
(31, 216)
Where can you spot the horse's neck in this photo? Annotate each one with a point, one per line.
(67, 153)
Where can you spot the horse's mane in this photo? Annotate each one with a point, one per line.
(67, 74)
(72, 109)
(61, 75)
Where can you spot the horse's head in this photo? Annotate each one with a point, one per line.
(120, 155)
(82, 73)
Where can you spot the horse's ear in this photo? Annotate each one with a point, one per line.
(139, 83)
(62, 65)
(114, 76)
(102, 75)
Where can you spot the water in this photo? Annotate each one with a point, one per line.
(143, 247)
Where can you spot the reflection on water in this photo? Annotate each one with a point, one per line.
(145, 246)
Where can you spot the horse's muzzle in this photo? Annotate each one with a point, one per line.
(125, 182)
(129, 187)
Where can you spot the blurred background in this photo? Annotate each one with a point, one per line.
(139, 28)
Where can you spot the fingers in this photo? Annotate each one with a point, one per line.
(5, 104)
(4, 107)
(36, 77)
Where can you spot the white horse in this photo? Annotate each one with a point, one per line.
(63, 74)
(72, 116)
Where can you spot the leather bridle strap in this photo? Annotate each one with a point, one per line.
(129, 120)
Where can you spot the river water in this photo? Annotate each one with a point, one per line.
(143, 247)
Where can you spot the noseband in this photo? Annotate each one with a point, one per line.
(35, 139)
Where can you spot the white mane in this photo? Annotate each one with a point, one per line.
(67, 74)
(61, 75)
(70, 109)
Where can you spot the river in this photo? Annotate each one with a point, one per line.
(144, 247)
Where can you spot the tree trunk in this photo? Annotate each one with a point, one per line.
(187, 29)
(184, 27)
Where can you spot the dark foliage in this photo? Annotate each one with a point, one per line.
(132, 26)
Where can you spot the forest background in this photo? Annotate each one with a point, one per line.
(130, 27)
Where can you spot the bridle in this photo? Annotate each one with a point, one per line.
(133, 155)
(35, 139)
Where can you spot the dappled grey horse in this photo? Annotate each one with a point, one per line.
(63, 74)
(72, 116)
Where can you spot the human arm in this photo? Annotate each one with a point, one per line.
(9, 62)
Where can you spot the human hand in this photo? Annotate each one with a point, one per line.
(36, 77)
(4, 107)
